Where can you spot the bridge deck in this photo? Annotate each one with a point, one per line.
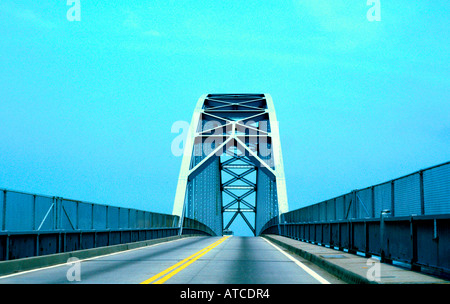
(223, 260)
(232, 260)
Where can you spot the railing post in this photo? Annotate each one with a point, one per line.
(136, 219)
(315, 234)
(366, 240)
(55, 225)
(4, 211)
(64, 246)
(59, 242)
(92, 216)
(37, 244)
(335, 211)
(331, 235)
(33, 225)
(8, 240)
(414, 257)
(351, 237)
(321, 234)
(422, 196)
(373, 201)
(383, 245)
(392, 199)
(77, 226)
(339, 237)
(57, 213)
(107, 217)
(309, 232)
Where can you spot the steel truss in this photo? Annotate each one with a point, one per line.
(232, 153)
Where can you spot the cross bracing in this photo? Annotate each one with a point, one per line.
(232, 162)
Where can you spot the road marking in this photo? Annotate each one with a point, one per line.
(300, 264)
(177, 264)
(164, 279)
(174, 269)
(87, 259)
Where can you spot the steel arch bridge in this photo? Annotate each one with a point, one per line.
(232, 162)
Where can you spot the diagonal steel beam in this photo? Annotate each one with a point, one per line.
(247, 222)
(231, 221)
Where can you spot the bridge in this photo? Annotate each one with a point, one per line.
(232, 166)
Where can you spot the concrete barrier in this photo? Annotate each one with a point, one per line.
(350, 267)
(340, 272)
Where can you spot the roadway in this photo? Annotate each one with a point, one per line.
(193, 260)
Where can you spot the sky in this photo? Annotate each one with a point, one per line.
(86, 107)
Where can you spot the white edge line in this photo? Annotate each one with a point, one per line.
(300, 264)
(87, 259)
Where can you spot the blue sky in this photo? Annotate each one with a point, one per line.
(86, 108)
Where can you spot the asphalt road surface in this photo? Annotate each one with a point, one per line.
(193, 260)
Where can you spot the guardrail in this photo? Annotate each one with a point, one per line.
(420, 241)
(406, 219)
(17, 245)
(36, 225)
(21, 211)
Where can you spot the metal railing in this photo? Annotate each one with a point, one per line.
(405, 219)
(32, 225)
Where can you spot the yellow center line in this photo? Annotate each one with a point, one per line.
(172, 270)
